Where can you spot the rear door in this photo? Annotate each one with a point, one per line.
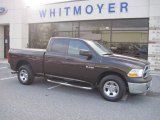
(55, 56)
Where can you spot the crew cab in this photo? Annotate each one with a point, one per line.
(85, 64)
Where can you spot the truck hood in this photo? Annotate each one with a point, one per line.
(126, 61)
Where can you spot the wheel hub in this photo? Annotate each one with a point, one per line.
(23, 75)
(111, 88)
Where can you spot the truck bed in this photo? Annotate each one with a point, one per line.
(34, 57)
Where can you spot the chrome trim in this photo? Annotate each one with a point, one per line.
(138, 88)
(146, 71)
(70, 79)
(70, 85)
(90, 67)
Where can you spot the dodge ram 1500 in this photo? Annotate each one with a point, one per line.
(85, 64)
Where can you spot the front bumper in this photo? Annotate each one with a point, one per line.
(138, 88)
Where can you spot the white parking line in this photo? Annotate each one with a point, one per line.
(3, 68)
(53, 87)
(7, 78)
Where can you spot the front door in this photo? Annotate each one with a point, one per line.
(6, 40)
(75, 65)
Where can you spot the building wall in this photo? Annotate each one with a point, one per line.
(16, 19)
(154, 35)
(1, 42)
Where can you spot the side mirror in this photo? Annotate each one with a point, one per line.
(86, 53)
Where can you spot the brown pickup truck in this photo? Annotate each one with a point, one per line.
(84, 64)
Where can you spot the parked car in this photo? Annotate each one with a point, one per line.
(142, 51)
(82, 63)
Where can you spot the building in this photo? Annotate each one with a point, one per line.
(129, 27)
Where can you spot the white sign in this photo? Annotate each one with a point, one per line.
(89, 10)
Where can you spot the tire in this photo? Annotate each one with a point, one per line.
(112, 88)
(25, 75)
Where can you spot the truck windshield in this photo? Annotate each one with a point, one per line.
(99, 48)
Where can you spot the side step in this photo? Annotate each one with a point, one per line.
(70, 85)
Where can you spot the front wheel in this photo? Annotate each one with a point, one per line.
(25, 75)
(112, 88)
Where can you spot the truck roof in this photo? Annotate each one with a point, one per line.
(69, 38)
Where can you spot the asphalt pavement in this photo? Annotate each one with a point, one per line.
(47, 101)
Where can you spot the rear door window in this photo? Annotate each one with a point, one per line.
(59, 46)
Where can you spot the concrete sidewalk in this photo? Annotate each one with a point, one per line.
(3, 60)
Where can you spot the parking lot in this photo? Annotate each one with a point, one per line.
(48, 101)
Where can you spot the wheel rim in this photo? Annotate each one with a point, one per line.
(23, 75)
(111, 89)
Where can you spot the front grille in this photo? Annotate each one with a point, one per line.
(146, 72)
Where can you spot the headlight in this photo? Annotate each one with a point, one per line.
(135, 73)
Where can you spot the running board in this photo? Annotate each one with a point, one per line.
(70, 85)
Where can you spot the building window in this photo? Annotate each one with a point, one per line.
(130, 37)
(125, 36)
(95, 30)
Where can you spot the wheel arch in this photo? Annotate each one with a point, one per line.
(102, 75)
(22, 62)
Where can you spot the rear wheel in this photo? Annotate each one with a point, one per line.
(112, 88)
(25, 75)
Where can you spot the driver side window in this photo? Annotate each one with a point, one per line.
(75, 46)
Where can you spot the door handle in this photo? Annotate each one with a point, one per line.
(68, 59)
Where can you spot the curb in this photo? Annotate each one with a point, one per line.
(3, 61)
(156, 73)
